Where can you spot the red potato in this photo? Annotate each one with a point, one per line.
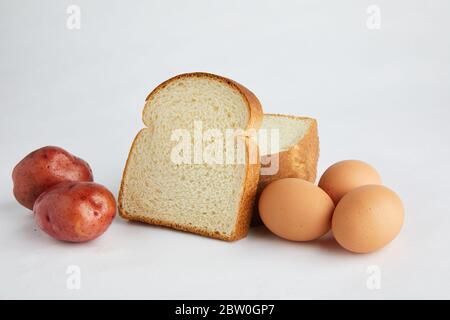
(44, 168)
(75, 211)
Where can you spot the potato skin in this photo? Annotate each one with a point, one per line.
(44, 168)
(75, 211)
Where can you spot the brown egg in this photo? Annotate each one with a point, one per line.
(367, 218)
(296, 209)
(345, 176)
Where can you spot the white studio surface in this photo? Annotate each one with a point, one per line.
(380, 93)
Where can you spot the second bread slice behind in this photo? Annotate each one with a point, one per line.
(298, 147)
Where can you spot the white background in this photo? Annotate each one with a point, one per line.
(379, 95)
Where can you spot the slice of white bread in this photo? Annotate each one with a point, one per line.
(298, 150)
(214, 200)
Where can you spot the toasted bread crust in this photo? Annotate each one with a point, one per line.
(249, 188)
(300, 161)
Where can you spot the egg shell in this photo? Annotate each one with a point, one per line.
(295, 209)
(347, 175)
(367, 218)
